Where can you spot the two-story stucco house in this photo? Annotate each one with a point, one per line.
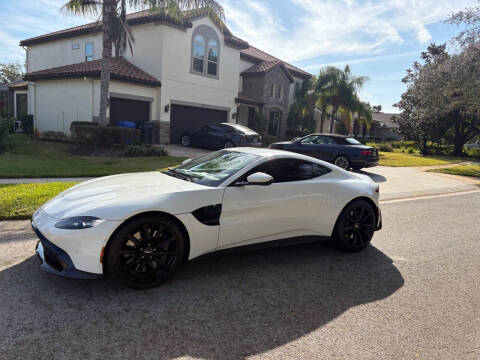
(181, 74)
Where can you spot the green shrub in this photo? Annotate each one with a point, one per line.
(27, 123)
(54, 136)
(473, 152)
(98, 136)
(144, 150)
(267, 140)
(74, 124)
(410, 150)
(5, 139)
(385, 147)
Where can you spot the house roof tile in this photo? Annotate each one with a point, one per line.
(244, 99)
(257, 55)
(384, 118)
(265, 67)
(121, 69)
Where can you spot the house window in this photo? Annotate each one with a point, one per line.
(212, 57)
(75, 46)
(198, 53)
(272, 90)
(278, 93)
(273, 120)
(89, 51)
(205, 51)
(21, 105)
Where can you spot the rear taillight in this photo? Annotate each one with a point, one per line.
(367, 153)
(242, 139)
(377, 190)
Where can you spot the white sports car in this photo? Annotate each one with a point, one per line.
(139, 228)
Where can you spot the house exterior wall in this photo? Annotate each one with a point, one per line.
(60, 102)
(277, 77)
(181, 85)
(58, 53)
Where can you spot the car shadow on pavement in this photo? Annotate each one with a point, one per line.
(225, 307)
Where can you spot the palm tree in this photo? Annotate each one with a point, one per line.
(338, 88)
(116, 31)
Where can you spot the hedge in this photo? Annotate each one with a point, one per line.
(99, 136)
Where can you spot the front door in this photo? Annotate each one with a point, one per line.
(21, 105)
(258, 213)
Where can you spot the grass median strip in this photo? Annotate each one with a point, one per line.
(464, 170)
(19, 201)
(398, 159)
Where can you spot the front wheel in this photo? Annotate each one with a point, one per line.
(342, 162)
(355, 226)
(185, 140)
(145, 252)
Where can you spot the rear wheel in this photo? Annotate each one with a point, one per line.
(145, 252)
(355, 226)
(228, 144)
(342, 162)
(185, 140)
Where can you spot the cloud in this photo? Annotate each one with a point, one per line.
(331, 27)
(363, 60)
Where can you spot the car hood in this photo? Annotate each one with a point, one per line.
(119, 196)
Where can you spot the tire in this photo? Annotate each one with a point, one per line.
(145, 252)
(342, 161)
(185, 140)
(355, 226)
(228, 144)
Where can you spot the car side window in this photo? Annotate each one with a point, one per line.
(312, 139)
(325, 140)
(288, 170)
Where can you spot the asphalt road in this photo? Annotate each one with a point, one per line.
(413, 294)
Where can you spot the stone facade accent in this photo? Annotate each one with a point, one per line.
(259, 88)
(164, 132)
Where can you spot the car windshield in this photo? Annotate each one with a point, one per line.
(352, 141)
(213, 169)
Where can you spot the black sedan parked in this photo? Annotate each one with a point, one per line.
(222, 135)
(343, 151)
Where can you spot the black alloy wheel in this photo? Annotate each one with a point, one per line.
(228, 144)
(146, 252)
(355, 226)
(342, 162)
(185, 140)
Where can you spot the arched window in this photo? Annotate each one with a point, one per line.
(198, 53)
(273, 122)
(212, 57)
(205, 51)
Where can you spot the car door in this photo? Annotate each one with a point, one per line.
(315, 146)
(259, 213)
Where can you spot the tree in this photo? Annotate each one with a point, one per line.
(10, 72)
(301, 113)
(338, 88)
(441, 101)
(115, 29)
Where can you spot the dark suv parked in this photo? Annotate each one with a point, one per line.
(222, 135)
(343, 151)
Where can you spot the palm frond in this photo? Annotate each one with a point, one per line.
(82, 7)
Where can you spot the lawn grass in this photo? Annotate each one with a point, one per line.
(463, 170)
(33, 158)
(398, 159)
(19, 201)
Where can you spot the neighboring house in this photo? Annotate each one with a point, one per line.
(383, 127)
(181, 74)
(14, 99)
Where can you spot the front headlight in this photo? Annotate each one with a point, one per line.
(78, 222)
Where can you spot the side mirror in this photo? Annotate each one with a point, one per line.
(186, 161)
(259, 178)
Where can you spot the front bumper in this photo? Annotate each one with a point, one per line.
(56, 261)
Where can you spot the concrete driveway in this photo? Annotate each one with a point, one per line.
(405, 182)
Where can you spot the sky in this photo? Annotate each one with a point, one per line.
(377, 38)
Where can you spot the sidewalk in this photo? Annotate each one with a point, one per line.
(42, 180)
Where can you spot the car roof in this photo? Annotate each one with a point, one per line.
(331, 135)
(273, 153)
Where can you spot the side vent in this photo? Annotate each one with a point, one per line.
(209, 215)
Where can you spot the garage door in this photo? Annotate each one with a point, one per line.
(184, 118)
(129, 110)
